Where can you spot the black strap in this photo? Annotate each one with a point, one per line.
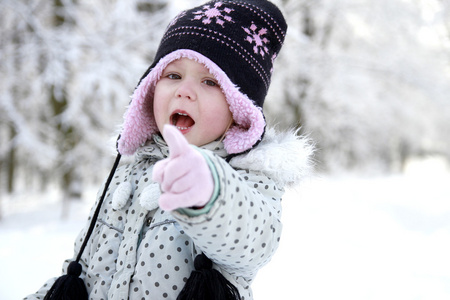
(99, 206)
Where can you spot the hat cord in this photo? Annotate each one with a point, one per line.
(71, 286)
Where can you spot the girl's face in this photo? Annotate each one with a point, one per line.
(189, 97)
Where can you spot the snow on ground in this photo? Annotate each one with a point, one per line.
(344, 238)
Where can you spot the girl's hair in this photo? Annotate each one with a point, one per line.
(225, 133)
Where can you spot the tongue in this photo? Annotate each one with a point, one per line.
(184, 121)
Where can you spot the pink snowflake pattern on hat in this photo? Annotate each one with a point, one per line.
(257, 37)
(217, 13)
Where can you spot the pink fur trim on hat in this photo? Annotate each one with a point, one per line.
(140, 125)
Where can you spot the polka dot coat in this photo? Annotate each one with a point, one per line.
(139, 251)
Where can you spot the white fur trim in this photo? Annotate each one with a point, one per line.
(285, 157)
(150, 196)
(121, 195)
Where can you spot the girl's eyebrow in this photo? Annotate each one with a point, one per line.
(168, 70)
(170, 66)
(173, 67)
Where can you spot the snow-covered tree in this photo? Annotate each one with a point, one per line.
(68, 68)
(367, 79)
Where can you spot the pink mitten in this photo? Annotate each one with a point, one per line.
(184, 177)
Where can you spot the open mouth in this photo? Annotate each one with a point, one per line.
(181, 120)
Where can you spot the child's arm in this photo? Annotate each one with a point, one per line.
(241, 230)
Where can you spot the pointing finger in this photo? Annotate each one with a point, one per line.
(175, 140)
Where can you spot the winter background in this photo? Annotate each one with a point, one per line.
(367, 81)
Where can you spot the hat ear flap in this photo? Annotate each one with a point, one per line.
(139, 123)
(239, 139)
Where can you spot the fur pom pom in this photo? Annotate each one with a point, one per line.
(150, 196)
(121, 195)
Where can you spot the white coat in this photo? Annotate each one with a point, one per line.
(138, 251)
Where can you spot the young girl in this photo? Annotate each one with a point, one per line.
(203, 195)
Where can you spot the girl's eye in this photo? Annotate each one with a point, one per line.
(210, 82)
(173, 76)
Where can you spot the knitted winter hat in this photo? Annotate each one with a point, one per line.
(238, 42)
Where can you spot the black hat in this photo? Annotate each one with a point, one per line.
(238, 42)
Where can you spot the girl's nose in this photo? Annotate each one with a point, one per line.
(186, 90)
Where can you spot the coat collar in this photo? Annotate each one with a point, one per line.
(158, 148)
(285, 157)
